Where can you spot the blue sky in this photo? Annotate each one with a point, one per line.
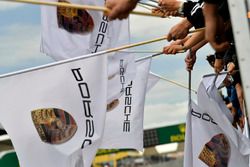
(165, 104)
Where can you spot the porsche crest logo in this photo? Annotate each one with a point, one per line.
(53, 125)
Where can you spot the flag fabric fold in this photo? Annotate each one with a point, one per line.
(211, 140)
(52, 113)
(124, 119)
(152, 81)
(206, 144)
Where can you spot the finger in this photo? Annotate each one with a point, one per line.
(165, 50)
(169, 37)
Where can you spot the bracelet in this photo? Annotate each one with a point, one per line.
(219, 55)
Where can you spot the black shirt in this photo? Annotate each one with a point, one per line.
(193, 12)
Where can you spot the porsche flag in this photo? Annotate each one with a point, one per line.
(206, 144)
(68, 32)
(210, 138)
(241, 142)
(53, 112)
(124, 119)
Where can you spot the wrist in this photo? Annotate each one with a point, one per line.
(183, 47)
(186, 24)
(181, 9)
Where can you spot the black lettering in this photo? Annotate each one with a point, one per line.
(85, 143)
(103, 27)
(131, 83)
(87, 110)
(128, 100)
(127, 117)
(126, 127)
(206, 117)
(77, 74)
(128, 91)
(84, 90)
(121, 63)
(196, 114)
(105, 18)
(101, 37)
(127, 110)
(89, 128)
(213, 121)
(122, 79)
(122, 71)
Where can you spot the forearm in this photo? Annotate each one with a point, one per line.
(199, 45)
(186, 24)
(195, 39)
(210, 14)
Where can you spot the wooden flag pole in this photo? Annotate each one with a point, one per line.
(174, 82)
(87, 7)
(136, 44)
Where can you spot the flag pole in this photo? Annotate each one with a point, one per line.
(136, 44)
(148, 4)
(147, 57)
(147, 42)
(140, 51)
(78, 6)
(174, 82)
(143, 6)
(189, 85)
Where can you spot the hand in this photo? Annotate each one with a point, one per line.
(179, 31)
(120, 8)
(218, 65)
(230, 67)
(190, 60)
(172, 49)
(170, 5)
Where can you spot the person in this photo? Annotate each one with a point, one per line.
(192, 11)
(120, 9)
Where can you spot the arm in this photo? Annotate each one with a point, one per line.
(191, 56)
(179, 31)
(195, 39)
(211, 21)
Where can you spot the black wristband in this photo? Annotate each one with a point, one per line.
(219, 55)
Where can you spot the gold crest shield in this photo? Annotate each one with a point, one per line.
(74, 20)
(54, 126)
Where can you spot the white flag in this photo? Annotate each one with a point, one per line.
(209, 79)
(68, 32)
(74, 32)
(206, 144)
(124, 119)
(216, 104)
(54, 111)
(152, 81)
